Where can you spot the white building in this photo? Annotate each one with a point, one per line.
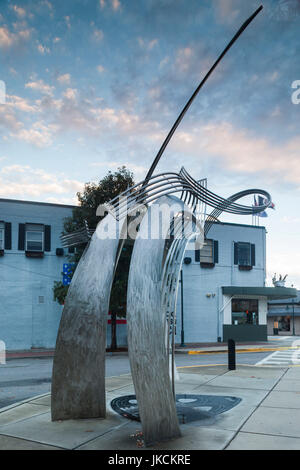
(220, 283)
(224, 290)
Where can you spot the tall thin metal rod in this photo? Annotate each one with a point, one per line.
(188, 104)
(182, 324)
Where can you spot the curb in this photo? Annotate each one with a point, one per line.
(19, 403)
(49, 353)
(28, 354)
(241, 350)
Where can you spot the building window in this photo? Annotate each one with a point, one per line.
(244, 312)
(244, 255)
(209, 254)
(1, 235)
(34, 237)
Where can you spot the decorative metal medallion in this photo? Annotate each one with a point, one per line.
(189, 407)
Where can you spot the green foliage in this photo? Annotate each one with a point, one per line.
(60, 292)
(118, 298)
(94, 194)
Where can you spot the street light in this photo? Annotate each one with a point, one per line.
(182, 325)
(293, 317)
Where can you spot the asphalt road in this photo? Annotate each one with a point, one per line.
(25, 378)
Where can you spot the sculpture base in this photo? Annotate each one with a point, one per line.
(189, 407)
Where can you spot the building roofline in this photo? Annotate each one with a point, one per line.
(240, 225)
(19, 201)
(269, 292)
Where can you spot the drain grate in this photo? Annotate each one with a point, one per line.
(189, 407)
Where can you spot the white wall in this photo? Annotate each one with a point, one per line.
(203, 320)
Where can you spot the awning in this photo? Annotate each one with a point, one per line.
(269, 292)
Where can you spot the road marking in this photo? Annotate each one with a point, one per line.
(287, 358)
(238, 351)
(200, 365)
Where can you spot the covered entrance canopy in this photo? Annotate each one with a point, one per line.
(272, 293)
(244, 321)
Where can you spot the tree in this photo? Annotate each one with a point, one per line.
(89, 199)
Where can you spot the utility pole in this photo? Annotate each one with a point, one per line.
(293, 317)
(182, 324)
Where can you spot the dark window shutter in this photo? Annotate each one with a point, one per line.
(21, 241)
(47, 237)
(197, 256)
(216, 251)
(7, 237)
(236, 253)
(252, 255)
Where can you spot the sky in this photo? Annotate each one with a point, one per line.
(92, 85)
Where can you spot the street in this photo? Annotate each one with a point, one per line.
(21, 379)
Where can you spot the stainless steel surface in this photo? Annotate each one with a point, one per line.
(78, 379)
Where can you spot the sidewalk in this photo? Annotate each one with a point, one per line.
(267, 417)
(191, 348)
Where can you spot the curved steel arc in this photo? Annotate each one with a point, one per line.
(165, 184)
(171, 183)
(146, 320)
(213, 216)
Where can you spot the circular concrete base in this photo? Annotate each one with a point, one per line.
(189, 407)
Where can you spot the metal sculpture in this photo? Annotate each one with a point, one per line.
(79, 363)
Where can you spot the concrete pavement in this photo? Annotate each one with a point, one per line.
(267, 417)
(274, 343)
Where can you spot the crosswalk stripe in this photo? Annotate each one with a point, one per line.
(288, 357)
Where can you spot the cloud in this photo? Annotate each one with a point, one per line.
(70, 94)
(20, 104)
(226, 12)
(21, 12)
(9, 39)
(139, 170)
(164, 62)
(23, 181)
(284, 263)
(68, 22)
(75, 113)
(64, 79)
(43, 49)
(39, 85)
(6, 37)
(115, 4)
(148, 45)
(48, 4)
(8, 119)
(98, 35)
(39, 135)
(239, 151)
